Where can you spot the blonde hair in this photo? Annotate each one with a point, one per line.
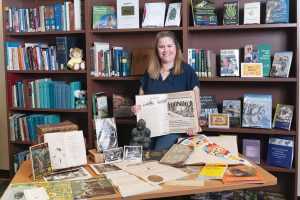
(155, 62)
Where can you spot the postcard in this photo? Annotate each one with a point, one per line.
(218, 120)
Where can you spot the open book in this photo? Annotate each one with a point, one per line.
(168, 113)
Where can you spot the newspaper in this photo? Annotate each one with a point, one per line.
(168, 113)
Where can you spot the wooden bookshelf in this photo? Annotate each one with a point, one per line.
(282, 37)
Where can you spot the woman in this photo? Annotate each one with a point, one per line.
(168, 73)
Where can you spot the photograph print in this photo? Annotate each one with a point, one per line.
(72, 174)
(106, 133)
(133, 153)
(113, 155)
(104, 168)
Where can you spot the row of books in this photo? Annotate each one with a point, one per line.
(204, 12)
(153, 15)
(19, 158)
(58, 17)
(44, 93)
(39, 55)
(23, 127)
(256, 112)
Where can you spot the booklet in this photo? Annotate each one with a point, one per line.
(168, 113)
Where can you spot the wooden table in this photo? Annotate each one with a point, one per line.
(24, 175)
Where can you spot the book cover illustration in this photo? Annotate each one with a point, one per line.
(242, 174)
(251, 54)
(104, 17)
(231, 13)
(104, 168)
(208, 105)
(204, 12)
(252, 13)
(283, 117)
(281, 151)
(40, 160)
(233, 108)
(90, 188)
(219, 120)
(70, 174)
(106, 134)
(229, 62)
(122, 106)
(281, 64)
(210, 147)
(173, 15)
(257, 111)
(251, 149)
(277, 11)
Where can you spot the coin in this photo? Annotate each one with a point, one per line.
(155, 178)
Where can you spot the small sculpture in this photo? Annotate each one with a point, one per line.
(76, 62)
(141, 135)
(80, 99)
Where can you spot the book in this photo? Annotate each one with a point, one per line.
(104, 17)
(176, 155)
(231, 13)
(277, 11)
(281, 64)
(168, 113)
(281, 151)
(173, 15)
(63, 46)
(252, 13)
(95, 156)
(208, 105)
(242, 174)
(283, 117)
(40, 160)
(251, 70)
(104, 168)
(127, 14)
(233, 108)
(229, 62)
(251, 149)
(66, 149)
(212, 171)
(264, 54)
(106, 134)
(204, 12)
(122, 106)
(257, 111)
(154, 15)
(100, 105)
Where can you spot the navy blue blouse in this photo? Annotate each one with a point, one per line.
(184, 81)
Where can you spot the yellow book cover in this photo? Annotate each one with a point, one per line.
(212, 171)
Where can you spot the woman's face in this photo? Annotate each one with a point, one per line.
(166, 50)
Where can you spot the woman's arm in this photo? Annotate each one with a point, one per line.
(198, 103)
(136, 108)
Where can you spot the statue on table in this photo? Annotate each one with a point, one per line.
(141, 135)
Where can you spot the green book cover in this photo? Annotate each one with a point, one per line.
(265, 58)
(104, 17)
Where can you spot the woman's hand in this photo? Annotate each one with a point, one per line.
(136, 108)
(191, 132)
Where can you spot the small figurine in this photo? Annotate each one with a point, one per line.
(80, 99)
(76, 62)
(141, 135)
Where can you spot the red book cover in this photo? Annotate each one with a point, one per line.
(242, 174)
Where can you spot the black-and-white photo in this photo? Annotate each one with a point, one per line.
(133, 153)
(73, 174)
(113, 155)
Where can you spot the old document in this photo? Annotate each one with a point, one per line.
(168, 113)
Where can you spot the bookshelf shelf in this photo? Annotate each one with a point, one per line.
(127, 78)
(136, 30)
(239, 79)
(271, 168)
(46, 33)
(47, 72)
(22, 142)
(49, 110)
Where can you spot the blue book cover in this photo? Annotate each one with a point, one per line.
(73, 86)
(257, 111)
(281, 151)
(277, 11)
(57, 14)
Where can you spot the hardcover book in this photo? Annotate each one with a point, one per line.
(264, 54)
(251, 149)
(277, 11)
(154, 15)
(173, 15)
(40, 160)
(208, 105)
(176, 155)
(127, 14)
(233, 108)
(229, 62)
(281, 64)
(63, 46)
(231, 13)
(252, 13)
(242, 174)
(122, 106)
(104, 17)
(204, 12)
(106, 134)
(212, 171)
(281, 151)
(257, 111)
(283, 117)
(251, 54)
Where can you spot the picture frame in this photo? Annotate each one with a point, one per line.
(251, 70)
(220, 120)
(113, 155)
(133, 153)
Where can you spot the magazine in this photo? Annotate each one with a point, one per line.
(168, 113)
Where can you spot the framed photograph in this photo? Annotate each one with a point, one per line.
(220, 120)
(104, 168)
(113, 155)
(133, 153)
(251, 70)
